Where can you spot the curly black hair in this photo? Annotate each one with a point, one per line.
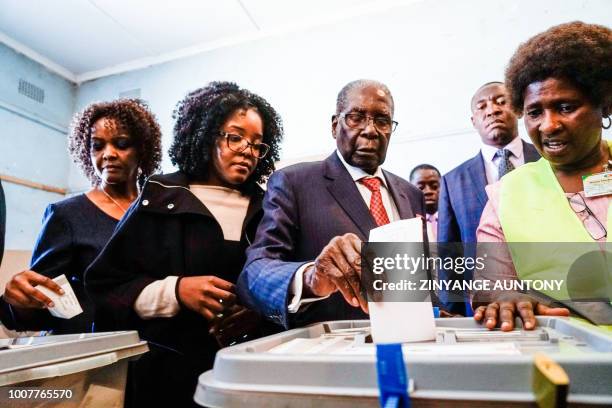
(578, 52)
(140, 123)
(199, 118)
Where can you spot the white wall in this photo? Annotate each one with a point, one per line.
(32, 143)
(432, 55)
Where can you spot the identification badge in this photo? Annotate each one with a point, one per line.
(597, 184)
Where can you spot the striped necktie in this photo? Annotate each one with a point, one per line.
(377, 209)
(504, 166)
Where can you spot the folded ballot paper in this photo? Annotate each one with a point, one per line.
(401, 322)
(65, 306)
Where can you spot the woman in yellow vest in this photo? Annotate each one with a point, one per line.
(560, 81)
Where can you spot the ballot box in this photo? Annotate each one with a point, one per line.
(333, 364)
(75, 370)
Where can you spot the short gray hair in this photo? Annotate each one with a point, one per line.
(342, 99)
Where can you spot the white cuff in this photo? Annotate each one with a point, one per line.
(296, 288)
(158, 299)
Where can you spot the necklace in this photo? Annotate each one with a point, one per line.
(114, 201)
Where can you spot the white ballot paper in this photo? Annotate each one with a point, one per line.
(65, 306)
(401, 322)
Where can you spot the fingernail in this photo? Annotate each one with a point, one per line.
(50, 304)
(355, 302)
(61, 291)
(528, 325)
(505, 325)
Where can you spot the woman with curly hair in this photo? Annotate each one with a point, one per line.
(561, 82)
(170, 268)
(117, 145)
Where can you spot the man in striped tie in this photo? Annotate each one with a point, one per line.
(462, 190)
(304, 265)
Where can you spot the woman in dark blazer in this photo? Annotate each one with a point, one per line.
(169, 269)
(117, 145)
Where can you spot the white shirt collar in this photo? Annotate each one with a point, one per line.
(357, 173)
(515, 146)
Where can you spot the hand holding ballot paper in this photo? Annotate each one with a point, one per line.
(401, 321)
(66, 305)
(338, 268)
(29, 289)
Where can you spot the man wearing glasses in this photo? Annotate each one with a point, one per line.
(303, 266)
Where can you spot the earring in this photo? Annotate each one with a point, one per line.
(609, 123)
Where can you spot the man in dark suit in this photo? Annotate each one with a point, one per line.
(304, 265)
(462, 195)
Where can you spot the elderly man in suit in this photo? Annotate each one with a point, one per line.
(462, 194)
(304, 265)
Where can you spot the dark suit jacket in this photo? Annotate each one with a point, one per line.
(305, 206)
(462, 200)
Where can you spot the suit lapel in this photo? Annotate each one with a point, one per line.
(342, 187)
(400, 198)
(477, 173)
(530, 153)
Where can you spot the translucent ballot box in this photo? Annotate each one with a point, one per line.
(333, 364)
(76, 370)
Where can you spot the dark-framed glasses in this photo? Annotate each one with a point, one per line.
(239, 144)
(356, 120)
(594, 227)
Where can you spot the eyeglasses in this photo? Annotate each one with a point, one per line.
(594, 227)
(355, 120)
(239, 144)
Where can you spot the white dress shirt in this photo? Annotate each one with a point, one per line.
(432, 226)
(491, 162)
(356, 174)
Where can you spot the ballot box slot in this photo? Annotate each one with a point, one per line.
(466, 336)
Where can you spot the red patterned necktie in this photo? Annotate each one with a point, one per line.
(377, 209)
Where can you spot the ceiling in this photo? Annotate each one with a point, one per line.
(87, 39)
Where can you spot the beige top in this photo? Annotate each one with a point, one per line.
(228, 206)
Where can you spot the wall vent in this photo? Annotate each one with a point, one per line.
(31, 91)
(132, 93)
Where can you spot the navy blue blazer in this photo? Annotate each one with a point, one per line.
(74, 231)
(462, 200)
(305, 206)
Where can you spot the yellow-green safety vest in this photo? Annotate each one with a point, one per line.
(533, 208)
